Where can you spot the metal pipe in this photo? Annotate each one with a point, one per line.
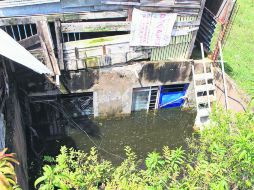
(223, 75)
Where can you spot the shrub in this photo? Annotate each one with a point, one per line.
(222, 157)
(8, 179)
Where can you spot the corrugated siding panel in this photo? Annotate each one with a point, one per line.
(179, 45)
(178, 48)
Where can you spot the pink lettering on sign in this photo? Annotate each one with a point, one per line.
(151, 29)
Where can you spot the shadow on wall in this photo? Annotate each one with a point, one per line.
(84, 79)
(168, 72)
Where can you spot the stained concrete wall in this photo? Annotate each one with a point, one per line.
(113, 86)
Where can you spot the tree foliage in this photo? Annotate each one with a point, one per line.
(221, 157)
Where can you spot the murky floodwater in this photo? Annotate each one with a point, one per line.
(143, 132)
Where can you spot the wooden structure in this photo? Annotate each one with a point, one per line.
(75, 35)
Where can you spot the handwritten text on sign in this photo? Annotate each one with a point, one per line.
(151, 29)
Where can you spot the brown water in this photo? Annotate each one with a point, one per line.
(143, 132)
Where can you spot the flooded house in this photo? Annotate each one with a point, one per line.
(98, 58)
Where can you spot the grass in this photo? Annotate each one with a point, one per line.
(239, 48)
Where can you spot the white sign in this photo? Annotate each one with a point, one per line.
(151, 29)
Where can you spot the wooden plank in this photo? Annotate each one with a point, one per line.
(98, 51)
(59, 43)
(95, 26)
(46, 58)
(196, 32)
(130, 11)
(108, 2)
(30, 41)
(99, 61)
(64, 17)
(158, 3)
(183, 32)
(97, 42)
(93, 15)
(187, 23)
(44, 33)
(111, 26)
(152, 3)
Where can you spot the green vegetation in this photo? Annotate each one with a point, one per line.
(8, 179)
(219, 157)
(239, 48)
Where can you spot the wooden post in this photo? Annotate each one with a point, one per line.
(224, 78)
(192, 43)
(45, 35)
(59, 44)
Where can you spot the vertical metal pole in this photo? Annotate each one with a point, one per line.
(62, 37)
(31, 29)
(19, 33)
(149, 99)
(68, 37)
(24, 26)
(223, 75)
(13, 34)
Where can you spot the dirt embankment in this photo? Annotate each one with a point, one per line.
(237, 100)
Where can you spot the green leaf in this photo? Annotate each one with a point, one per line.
(39, 180)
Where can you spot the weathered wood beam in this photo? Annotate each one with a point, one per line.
(97, 42)
(120, 26)
(59, 43)
(158, 3)
(196, 32)
(101, 60)
(149, 3)
(30, 41)
(95, 26)
(64, 17)
(45, 35)
(188, 23)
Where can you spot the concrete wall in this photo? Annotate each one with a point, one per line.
(113, 86)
